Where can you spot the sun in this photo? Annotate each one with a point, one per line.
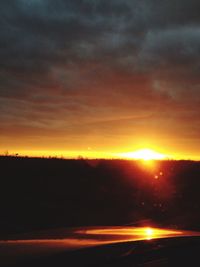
(144, 154)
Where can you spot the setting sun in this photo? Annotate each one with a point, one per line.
(144, 154)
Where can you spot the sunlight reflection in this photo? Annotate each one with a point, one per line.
(149, 233)
(95, 236)
(134, 233)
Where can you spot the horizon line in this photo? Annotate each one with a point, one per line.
(61, 157)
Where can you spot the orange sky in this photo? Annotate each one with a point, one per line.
(99, 78)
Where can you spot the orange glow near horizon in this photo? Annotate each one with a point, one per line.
(147, 155)
(144, 154)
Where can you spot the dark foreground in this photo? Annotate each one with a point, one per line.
(42, 194)
(38, 194)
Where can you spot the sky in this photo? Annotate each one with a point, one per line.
(96, 77)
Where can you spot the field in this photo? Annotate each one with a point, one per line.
(39, 194)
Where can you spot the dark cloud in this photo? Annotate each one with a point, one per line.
(66, 63)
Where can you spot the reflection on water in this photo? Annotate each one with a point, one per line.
(15, 250)
(90, 236)
(123, 234)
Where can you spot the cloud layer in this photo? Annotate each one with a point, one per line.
(99, 71)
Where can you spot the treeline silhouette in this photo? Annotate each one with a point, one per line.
(38, 194)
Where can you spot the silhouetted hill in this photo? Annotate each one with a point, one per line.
(39, 193)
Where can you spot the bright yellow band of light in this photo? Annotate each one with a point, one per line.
(133, 233)
(145, 154)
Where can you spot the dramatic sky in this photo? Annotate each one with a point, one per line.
(100, 76)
